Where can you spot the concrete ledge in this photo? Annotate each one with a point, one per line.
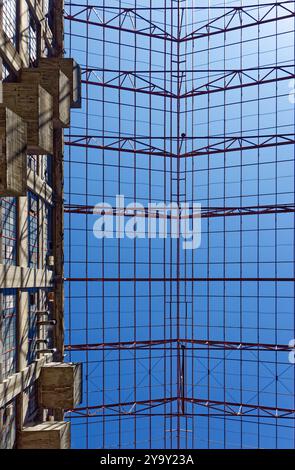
(20, 277)
(16, 383)
(60, 385)
(47, 435)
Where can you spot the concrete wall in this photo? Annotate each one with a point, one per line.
(21, 276)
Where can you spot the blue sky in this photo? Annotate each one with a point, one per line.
(250, 246)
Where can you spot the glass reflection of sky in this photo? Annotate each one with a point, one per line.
(250, 246)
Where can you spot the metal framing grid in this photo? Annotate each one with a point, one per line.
(8, 230)
(8, 434)
(8, 332)
(48, 231)
(32, 325)
(33, 162)
(33, 229)
(9, 19)
(183, 103)
(32, 39)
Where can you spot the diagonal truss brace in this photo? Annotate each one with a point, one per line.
(133, 20)
(125, 19)
(205, 212)
(222, 80)
(214, 144)
(125, 81)
(240, 17)
(213, 407)
(134, 145)
(202, 344)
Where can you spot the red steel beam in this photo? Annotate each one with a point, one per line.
(127, 19)
(243, 409)
(214, 144)
(205, 212)
(235, 79)
(222, 80)
(130, 145)
(203, 343)
(138, 82)
(241, 17)
(181, 279)
(235, 18)
(220, 145)
(119, 345)
(147, 404)
(221, 407)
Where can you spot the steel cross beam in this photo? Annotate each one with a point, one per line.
(214, 144)
(205, 212)
(225, 80)
(241, 17)
(222, 80)
(133, 20)
(179, 279)
(233, 143)
(220, 408)
(201, 344)
(132, 407)
(243, 409)
(129, 20)
(128, 80)
(134, 145)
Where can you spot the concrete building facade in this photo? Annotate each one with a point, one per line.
(38, 88)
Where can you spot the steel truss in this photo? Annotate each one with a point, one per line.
(222, 80)
(241, 17)
(129, 80)
(195, 343)
(213, 144)
(205, 212)
(127, 19)
(138, 21)
(219, 408)
(179, 279)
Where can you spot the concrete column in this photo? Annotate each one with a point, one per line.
(23, 346)
(23, 253)
(1, 340)
(22, 329)
(41, 235)
(23, 32)
(22, 301)
(23, 257)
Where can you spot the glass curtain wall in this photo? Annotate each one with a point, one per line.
(183, 102)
